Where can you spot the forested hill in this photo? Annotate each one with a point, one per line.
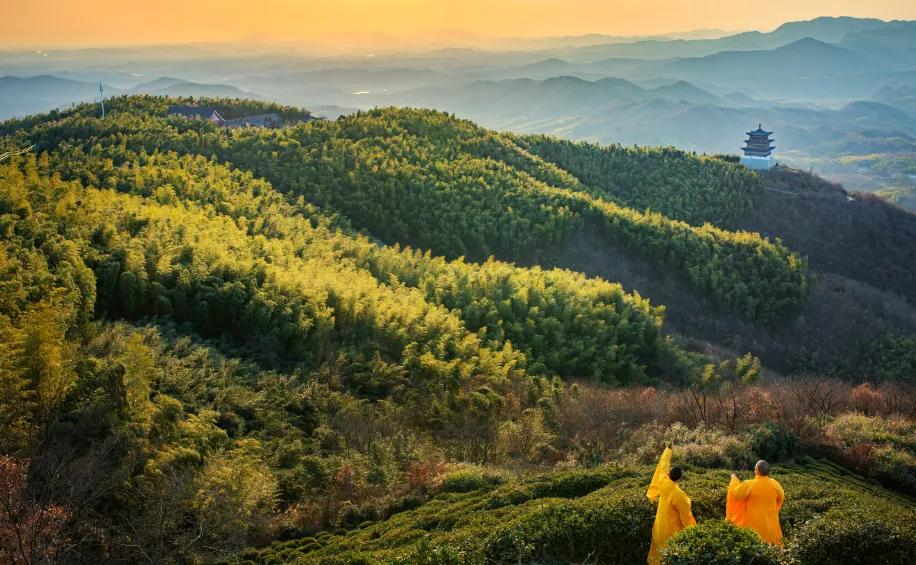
(429, 180)
(660, 220)
(209, 332)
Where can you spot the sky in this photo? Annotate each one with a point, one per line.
(60, 23)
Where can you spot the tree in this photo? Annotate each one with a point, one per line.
(717, 392)
(30, 532)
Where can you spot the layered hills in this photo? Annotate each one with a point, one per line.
(219, 338)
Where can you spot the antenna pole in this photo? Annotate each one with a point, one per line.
(101, 99)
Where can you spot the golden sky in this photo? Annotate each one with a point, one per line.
(50, 23)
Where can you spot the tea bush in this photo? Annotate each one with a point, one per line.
(717, 542)
(465, 478)
(601, 515)
(849, 537)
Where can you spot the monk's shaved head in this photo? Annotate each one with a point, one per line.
(762, 468)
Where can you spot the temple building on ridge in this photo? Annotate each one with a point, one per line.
(209, 114)
(195, 113)
(758, 153)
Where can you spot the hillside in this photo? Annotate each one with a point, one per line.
(217, 339)
(805, 57)
(165, 86)
(825, 29)
(856, 297)
(570, 206)
(599, 516)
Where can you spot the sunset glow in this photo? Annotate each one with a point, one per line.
(49, 23)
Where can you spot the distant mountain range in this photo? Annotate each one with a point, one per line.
(166, 86)
(826, 29)
(902, 97)
(830, 87)
(680, 113)
(28, 95)
(22, 96)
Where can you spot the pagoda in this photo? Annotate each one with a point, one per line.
(758, 153)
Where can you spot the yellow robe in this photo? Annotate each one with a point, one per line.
(755, 504)
(673, 513)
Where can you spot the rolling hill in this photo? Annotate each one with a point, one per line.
(901, 97)
(579, 217)
(400, 337)
(823, 29)
(166, 86)
(802, 58)
(682, 114)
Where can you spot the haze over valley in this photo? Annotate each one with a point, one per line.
(838, 91)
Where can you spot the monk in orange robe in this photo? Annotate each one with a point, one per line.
(755, 503)
(673, 513)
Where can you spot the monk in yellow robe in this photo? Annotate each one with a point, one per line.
(755, 503)
(673, 514)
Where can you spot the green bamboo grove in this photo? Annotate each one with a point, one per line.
(433, 182)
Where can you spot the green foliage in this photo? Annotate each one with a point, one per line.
(425, 553)
(741, 371)
(426, 179)
(851, 537)
(612, 523)
(771, 442)
(717, 542)
(675, 183)
(467, 478)
(895, 357)
(879, 447)
(562, 321)
(616, 530)
(192, 324)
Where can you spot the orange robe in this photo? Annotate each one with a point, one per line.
(755, 504)
(673, 513)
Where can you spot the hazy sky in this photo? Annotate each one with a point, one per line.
(48, 23)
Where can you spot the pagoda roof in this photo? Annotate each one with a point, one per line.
(759, 131)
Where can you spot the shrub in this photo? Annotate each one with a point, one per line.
(715, 542)
(848, 537)
(600, 529)
(404, 503)
(345, 558)
(465, 478)
(771, 442)
(427, 553)
(883, 448)
(895, 468)
(700, 446)
(569, 484)
(895, 357)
